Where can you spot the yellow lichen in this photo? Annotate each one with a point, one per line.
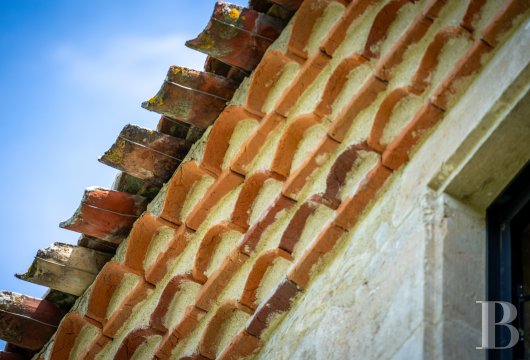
(155, 100)
(234, 14)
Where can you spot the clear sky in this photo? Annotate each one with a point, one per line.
(72, 74)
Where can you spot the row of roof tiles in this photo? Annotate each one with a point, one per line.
(212, 283)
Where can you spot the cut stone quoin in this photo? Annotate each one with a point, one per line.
(67, 268)
(219, 138)
(191, 96)
(67, 333)
(27, 322)
(253, 235)
(225, 183)
(145, 229)
(106, 214)
(207, 248)
(161, 265)
(146, 154)
(278, 303)
(291, 138)
(250, 191)
(179, 186)
(298, 179)
(255, 277)
(303, 268)
(237, 36)
(209, 344)
(255, 143)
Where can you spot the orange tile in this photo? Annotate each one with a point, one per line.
(511, 14)
(225, 183)
(66, 335)
(302, 270)
(250, 191)
(288, 144)
(219, 138)
(297, 180)
(260, 267)
(360, 101)
(351, 209)
(241, 346)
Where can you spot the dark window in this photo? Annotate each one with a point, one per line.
(508, 262)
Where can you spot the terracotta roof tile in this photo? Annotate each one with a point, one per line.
(332, 109)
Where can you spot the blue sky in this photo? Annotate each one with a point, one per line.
(72, 74)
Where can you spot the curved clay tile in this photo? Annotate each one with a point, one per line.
(225, 183)
(210, 341)
(422, 78)
(336, 83)
(255, 143)
(292, 136)
(142, 234)
(507, 18)
(383, 115)
(304, 21)
(242, 346)
(250, 191)
(297, 180)
(277, 304)
(146, 154)
(472, 14)
(160, 266)
(219, 279)
(27, 322)
(171, 290)
(132, 342)
(364, 97)
(380, 27)
(190, 320)
(67, 268)
(220, 135)
(192, 96)
(179, 186)
(237, 36)
(265, 78)
(253, 235)
(208, 247)
(106, 214)
(256, 274)
(303, 268)
(293, 231)
(66, 335)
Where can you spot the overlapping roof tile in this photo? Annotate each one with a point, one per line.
(305, 146)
